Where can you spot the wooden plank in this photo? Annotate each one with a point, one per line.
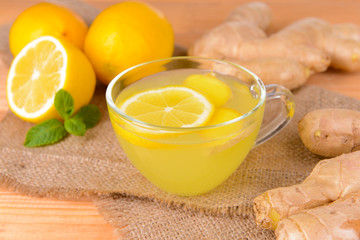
(30, 218)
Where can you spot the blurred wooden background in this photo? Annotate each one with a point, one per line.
(23, 217)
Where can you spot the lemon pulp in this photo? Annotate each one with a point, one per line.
(43, 67)
(172, 106)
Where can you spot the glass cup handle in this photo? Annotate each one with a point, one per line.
(279, 110)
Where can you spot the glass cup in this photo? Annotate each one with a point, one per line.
(195, 160)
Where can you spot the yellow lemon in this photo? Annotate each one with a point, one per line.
(222, 115)
(46, 19)
(226, 136)
(216, 90)
(128, 132)
(171, 106)
(126, 34)
(43, 67)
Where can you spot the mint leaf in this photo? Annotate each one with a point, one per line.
(53, 130)
(75, 127)
(64, 103)
(45, 133)
(89, 115)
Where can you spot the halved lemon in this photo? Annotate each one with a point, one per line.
(171, 106)
(43, 67)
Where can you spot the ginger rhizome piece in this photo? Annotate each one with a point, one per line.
(338, 220)
(331, 132)
(330, 180)
(287, 57)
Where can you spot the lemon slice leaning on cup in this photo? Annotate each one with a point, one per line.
(43, 67)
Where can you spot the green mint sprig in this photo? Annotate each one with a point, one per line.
(52, 131)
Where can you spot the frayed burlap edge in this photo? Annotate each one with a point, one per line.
(134, 218)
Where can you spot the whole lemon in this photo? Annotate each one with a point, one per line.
(126, 34)
(46, 19)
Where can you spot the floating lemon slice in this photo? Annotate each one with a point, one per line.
(225, 136)
(171, 106)
(43, 67)
(222, 115)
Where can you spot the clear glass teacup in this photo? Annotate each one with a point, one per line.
(194, 160)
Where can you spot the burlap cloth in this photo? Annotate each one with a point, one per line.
(95, 166)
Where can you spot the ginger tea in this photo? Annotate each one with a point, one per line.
(187, 130)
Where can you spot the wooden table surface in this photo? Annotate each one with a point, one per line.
(23, 217)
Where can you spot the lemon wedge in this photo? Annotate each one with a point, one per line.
(43, 67)
(225, 136)
(209, 85)
(222, 115)
(171, 106)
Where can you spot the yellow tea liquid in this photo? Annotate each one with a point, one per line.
(189, 161)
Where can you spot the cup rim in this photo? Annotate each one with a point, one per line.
(111, 103)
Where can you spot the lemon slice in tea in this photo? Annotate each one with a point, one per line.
(171, 106)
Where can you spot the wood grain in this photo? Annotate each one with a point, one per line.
(28, 218)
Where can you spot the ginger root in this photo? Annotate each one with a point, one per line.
(330, 132)
(287, 57)
(338, 220)
(330, 180)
